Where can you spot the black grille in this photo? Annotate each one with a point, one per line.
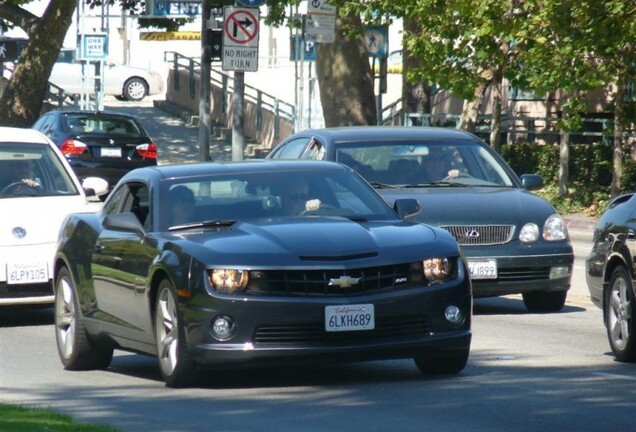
(316, 334)
(481, 235)
(523, 274)
(30, 290)
(336, 283)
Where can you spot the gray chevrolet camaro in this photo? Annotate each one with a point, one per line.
(261, 263)
(514, 241)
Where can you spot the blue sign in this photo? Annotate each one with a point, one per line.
(180, 8)
(93, 47)
(249, 3)
(295, 51)
(377, 40)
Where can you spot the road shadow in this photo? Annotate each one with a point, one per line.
(513, 306)
(23, 316)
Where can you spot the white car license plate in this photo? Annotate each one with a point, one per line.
(110, 152)
(482, 269)
(349, 317)
(21, 273)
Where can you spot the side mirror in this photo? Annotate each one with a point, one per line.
(123, 222)
(406, 207)
(94, 186)
(532, 181)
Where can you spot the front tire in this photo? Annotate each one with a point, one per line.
(135, 89)
(619, 310)
(446, 365)
(76, 351)
(552, 301)
(175, 363)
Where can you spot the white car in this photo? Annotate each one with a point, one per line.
(37, 191)
(121, 81)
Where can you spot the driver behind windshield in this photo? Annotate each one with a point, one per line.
(435, 166)
(19, 177)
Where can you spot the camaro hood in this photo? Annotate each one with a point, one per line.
(37, 220)
(474, 205)
(326, 239)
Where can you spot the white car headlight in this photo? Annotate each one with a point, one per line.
(229, 281)
(554, 228)
(529, 233)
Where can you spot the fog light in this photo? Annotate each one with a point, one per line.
(222, 328)
(453, 315)
(559, 272)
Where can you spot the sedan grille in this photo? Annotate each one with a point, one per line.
(310, 333)
(336, 283)
(481, 235)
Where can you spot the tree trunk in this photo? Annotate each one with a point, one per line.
(345, 78)
(21, 101)
(619, 140)
(495, 108)
(416, 96)
(470, 112)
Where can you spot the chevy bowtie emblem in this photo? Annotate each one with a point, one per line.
(344, 281)
(18, 232)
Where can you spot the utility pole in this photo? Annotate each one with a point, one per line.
(204, 91)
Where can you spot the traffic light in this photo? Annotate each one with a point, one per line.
(215, 40)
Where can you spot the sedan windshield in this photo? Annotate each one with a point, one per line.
(32, 170)
(221, 200)
(425, 163)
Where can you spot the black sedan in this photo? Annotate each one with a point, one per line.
(258, 263)
(514, 241)
(99, 144)
(610, 274)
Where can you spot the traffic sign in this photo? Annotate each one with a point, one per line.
(10, 49)
(93, 46)
(252, 3)
(240, 39)
(320, 22)
(377, 41)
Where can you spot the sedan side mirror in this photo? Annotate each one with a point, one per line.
(94, 186)
(126, 221)
(532, 181)
(406, 207)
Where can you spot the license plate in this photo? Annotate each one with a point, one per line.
(21, 273)
(483, 269)
(349, 317)
(110, 152)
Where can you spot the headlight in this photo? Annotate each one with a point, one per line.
(554, 228)
(437, 270)
(529, 233)
(229, 281)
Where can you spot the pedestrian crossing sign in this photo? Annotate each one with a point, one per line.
(377, 40)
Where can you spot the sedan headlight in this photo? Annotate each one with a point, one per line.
(554, 228)
(529, 233)
(437, 270)
(229, 281)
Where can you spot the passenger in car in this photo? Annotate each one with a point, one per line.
(435, 166)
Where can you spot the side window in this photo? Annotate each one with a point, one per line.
(113, 203)
(315, 151)
(292, 149)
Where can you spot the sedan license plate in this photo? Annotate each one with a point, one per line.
(349, 317)
(110, 152)
(483, 269)
(21, 273)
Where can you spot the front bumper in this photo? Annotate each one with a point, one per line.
(275, 330)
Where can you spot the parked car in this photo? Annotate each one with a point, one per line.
(515, 242)
(122, 81)
(609, 270)
(37, 190)
(103, 144)
(249, 278)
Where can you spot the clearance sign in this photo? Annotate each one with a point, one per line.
(170, 36)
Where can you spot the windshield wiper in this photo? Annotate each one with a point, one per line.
(378, 185)
(207, 223)
(435, 183)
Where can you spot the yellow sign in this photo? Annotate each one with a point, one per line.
(170, 36)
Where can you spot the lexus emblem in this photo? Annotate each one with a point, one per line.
(19, 232)
(472, 234)
(344, 281)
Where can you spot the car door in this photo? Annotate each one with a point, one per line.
(121, 262)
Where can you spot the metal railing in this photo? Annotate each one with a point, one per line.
(281, 110)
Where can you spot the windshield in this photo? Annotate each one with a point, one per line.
(32, 170)
(221, 200)
(425, 163)
(100, 124)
